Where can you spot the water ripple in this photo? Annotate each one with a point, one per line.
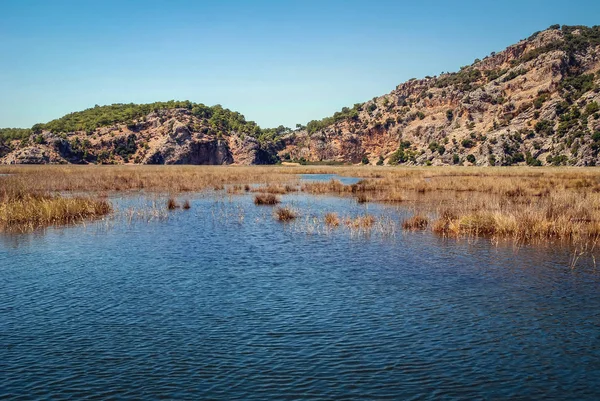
(201, 306)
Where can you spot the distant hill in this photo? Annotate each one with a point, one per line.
(174, 132)
(535, 103)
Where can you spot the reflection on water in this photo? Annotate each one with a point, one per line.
(222, 301)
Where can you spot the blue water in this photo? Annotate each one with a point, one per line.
(224, 302)
(329, 177)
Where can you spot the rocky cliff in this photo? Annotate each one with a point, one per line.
(166, 136)
(536, 103)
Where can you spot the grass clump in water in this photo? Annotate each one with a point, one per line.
(172, 204)
(285, 214)
(360, 222)
(416, 222)
(266, 199)
(23, 211)
(332, 220)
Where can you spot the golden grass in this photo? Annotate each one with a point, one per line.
(266, 199)
(285, 214)
(521, 203)
(416, 222)
(360, 222)
(30, 211)
(332, 220)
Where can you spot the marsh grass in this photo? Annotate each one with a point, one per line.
(172, 204)
(285, 214)
(186, 205)
(417, 222)
(362, 198)
(353, 225)
(524, 204)
(29, 211)
(266, 199)
(147, 212)
(360, 222)
(332, 219)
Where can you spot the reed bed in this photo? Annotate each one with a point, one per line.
(285, 214)
(332, 219)
(266, 199)
(28, 211)
(521, 203)
(353, 225)
(416, 222)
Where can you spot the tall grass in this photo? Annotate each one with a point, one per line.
(266, 199)
(285, 214)
(416, 222)
(29, 211)
(521, 203)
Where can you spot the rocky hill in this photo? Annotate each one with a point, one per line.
(535, 103)
(158, 133)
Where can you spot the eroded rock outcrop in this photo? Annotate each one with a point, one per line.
(534, 103)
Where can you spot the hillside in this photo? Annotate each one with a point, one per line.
(158, 133)
(536, 103)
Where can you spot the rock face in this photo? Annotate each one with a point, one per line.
(32, 155)
(173, 136)
(192, 152)
(534, 103)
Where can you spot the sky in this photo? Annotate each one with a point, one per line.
(277, 62)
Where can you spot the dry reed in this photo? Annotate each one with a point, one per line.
(416, 222)
(285, 214)
(29, 211)
(332, 220)
(522, 203)
(172, 204)
(266, 199)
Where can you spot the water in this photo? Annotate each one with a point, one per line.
(329, 177)
(224, 302)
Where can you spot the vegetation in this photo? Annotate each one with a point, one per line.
(266, 199)
(523, 204)
(218, 118)
(416, 222)
(24, 208)
(463, 79)
(575, 86)
(11, 134)
(332, 220)
(344, 114)
(285, 214)
(402, 155)
(172, 204)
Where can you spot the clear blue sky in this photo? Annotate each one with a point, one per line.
(277, 62)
